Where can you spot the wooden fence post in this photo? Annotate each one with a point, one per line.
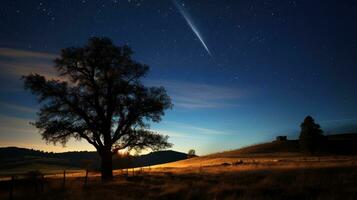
(35, 182)
(12, 184)
(86, 178)
(64, 179)
(42, 182)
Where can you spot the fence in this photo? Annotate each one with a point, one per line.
(36, 181)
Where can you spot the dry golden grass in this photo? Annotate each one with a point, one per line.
(265, 178)
(258, 158)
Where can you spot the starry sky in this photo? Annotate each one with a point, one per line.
(239, 72)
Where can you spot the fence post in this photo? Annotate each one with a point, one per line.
(86, 178)
(12, 183)
(64, 179)
(35, 182)
(42, 182)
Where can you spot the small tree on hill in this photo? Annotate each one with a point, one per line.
(311, 138)
(191, 153)
(98, 97)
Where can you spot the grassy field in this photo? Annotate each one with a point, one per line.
(266, 178)
(285, 154)
(44, 168)
(254, 172)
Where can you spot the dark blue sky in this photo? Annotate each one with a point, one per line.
(271, 63)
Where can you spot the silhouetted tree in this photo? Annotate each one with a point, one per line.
(99, 97)
(311, 137)
(191, 153)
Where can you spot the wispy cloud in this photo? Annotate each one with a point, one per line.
(174, 134)
(14, 62)
(186, 95)
(19, 68)
(18, 53)
(198, 129)
(19, 108)
(199, 95)
(16, 131)
(15, 125)
(340, 120)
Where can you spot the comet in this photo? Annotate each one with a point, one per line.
(190, 23)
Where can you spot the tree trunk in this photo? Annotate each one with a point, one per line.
(107, 166)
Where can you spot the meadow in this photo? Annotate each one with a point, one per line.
(254, 177)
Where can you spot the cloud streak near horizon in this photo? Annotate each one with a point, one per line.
(15, 62)
(191, 95)
(187, 95)
(15, 117)
(16, 131)
(19, 108)
(19, 53)
(198, 129)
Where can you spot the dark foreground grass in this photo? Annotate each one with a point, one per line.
(303, 183)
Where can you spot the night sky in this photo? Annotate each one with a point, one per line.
(239, 72)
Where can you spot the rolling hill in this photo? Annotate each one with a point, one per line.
(338, 144)
(19, 159)
(16, 159)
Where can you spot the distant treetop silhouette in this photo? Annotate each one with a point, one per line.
(99, 97)
(311, 137)
(191, 153)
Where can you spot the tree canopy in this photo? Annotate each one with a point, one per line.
(99, 97)
(310, 136)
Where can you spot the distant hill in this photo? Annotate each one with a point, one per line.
(342, 143)
(14, 157)
(289, 146)
(338, 144)
(158, 157)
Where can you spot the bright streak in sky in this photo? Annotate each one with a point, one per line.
(192, 25)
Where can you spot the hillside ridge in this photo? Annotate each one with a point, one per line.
(337, 144)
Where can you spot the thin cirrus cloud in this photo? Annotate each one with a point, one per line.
(186, 95)
(15, 126)
(199, 95)
(19, 68)
(16, 131)
(174, 134)
(18, 108)
(15, 62)
(340, 120)
(197, 129)
(17, 53)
